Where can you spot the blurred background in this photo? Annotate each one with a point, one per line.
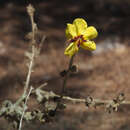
(102, 74)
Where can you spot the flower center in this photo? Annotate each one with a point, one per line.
(78, 39)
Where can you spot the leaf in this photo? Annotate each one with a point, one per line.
(28, 55)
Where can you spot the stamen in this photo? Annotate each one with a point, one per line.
(78, 39)
(84, 40)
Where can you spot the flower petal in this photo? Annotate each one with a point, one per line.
(71, 49)
(80, 25)
(70, 31)
(89, 45)
(90, 33)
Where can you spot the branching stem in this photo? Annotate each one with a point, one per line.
(30, 10)
(20, 124)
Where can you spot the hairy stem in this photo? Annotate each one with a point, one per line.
(20, 124)
(28, 78)
(30, 10)
(65, 81)
(29, 71)
(67, 76)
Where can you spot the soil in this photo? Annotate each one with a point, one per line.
(103, 74)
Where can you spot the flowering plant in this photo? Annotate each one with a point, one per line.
(80, 35)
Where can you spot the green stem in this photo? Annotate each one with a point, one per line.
(65, 81)
(67, 75)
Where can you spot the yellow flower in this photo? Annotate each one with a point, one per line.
(80, 35)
